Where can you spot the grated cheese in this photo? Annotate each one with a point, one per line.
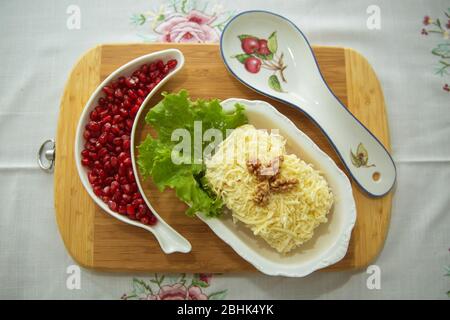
(289, 218)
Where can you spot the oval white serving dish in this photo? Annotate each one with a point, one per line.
(330, 241)
(169, 239)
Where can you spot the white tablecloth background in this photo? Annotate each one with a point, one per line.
(37, 52)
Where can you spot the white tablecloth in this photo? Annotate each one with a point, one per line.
(38, 51)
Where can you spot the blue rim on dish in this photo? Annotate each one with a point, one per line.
(299, 107)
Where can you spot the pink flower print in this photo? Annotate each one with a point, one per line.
(178, 292)
(195, 27)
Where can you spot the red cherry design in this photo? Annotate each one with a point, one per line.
(263, 48)
(250, 45)
(252, 64)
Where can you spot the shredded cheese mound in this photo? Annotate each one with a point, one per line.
(289, 218)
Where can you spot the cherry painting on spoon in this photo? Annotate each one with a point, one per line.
(263, 53)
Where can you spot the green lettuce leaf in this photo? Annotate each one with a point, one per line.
(177, 111)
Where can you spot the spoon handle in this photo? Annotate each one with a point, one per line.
(169, 239)
(366, 159)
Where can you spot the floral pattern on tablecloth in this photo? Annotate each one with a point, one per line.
(440, 27)
(182, 21)
(178, 287)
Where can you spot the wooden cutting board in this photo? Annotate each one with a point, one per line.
(97, 240)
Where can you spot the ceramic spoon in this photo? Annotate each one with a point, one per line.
(287, 55)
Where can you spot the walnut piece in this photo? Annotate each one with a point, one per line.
(253, 166)
(283, 185)
(270, 181)
(262, 193)
(265, 172)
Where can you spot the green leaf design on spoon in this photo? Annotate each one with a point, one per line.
(274, 83)
(272, 42)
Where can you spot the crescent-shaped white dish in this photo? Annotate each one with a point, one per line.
(169, 239)
(330, 241)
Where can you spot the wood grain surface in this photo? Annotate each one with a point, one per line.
(96, 240)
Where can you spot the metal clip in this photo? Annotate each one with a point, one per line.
(47, 150)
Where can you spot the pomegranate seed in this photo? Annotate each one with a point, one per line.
(117, 141)
(126, 198)
(102, 174)
(87, 134)
(122, 156)
(92, 178)
(108, 90)
(129, 82)
(102, 152)
(118, 93)
(126, 103)
(103, 138)
(85, 162)
(145, 220)
(122, 170)
(123, 112)
(127, 162)
(172, 63)
(129, 124)
(106, 127)
(130, 209)
(141, 93)
(152, 220)
(117, 118)
(107, 166)
(150, 87)
(107, 191)
(112, 205)
(130, 175)
(132, 94)
(142, 78)
(115, 129)
(144, 68)
(110, 137)
(134, 110)
(93, 126)
(159, 64)
(126, 188)
(107, 119)
(93, 115)
(98, 191)
(93, 155)
(114, 162)
(122, 210)
(126, 144)
(117, 196)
